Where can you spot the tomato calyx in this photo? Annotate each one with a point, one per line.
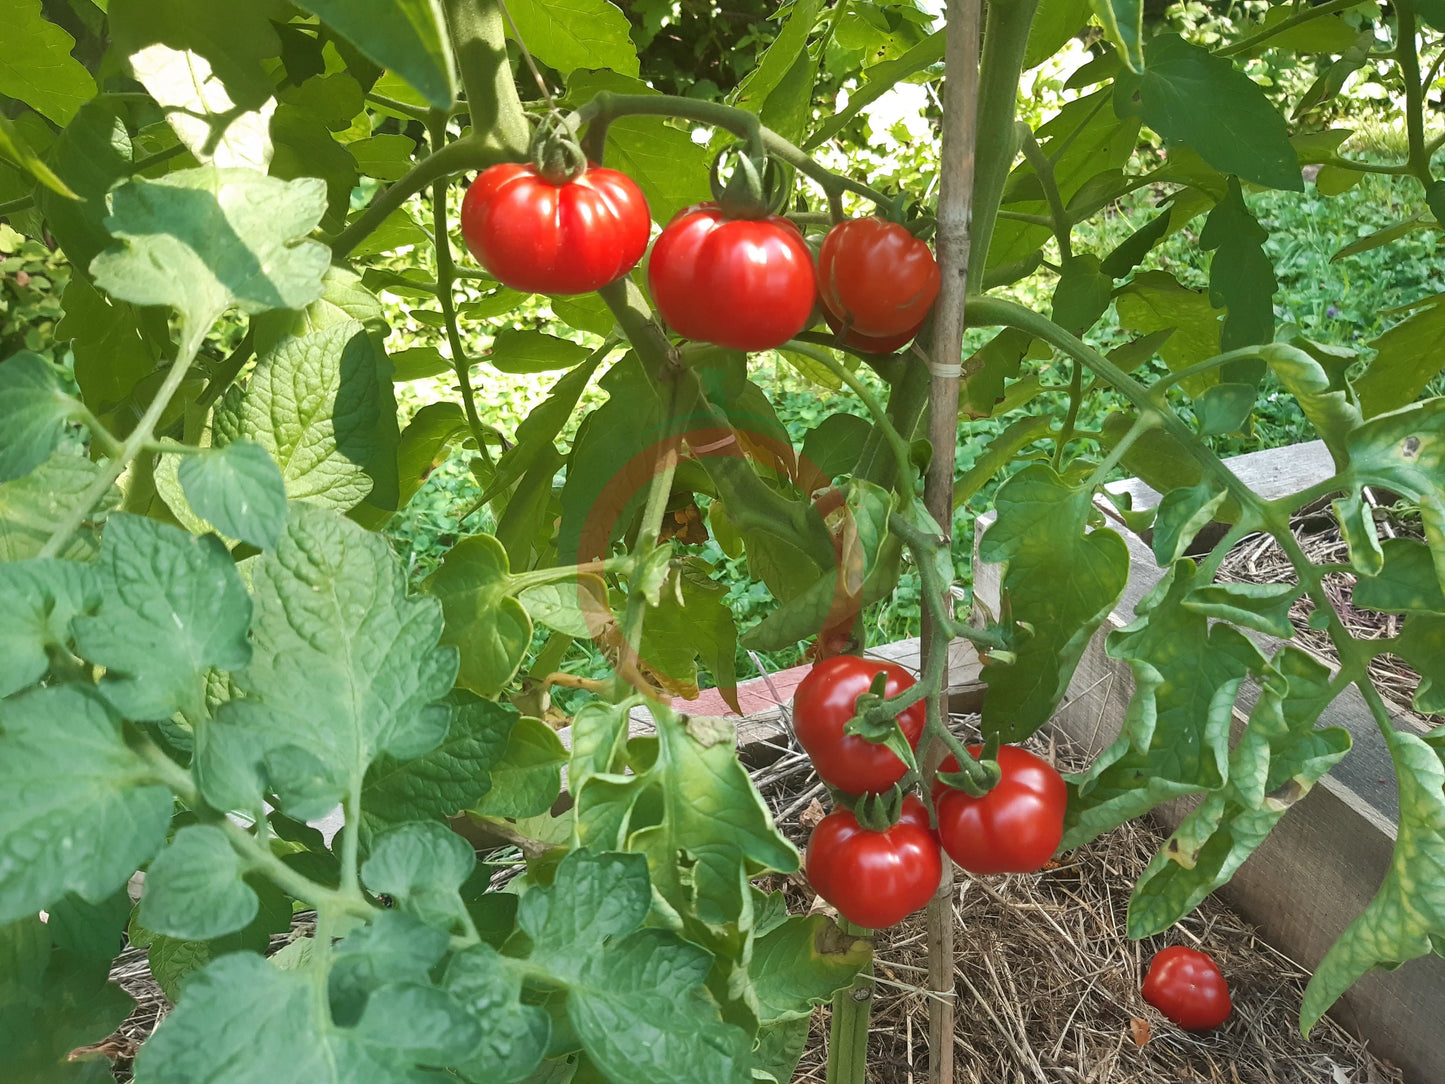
(886, 732)
(556, 153)
(875, 812)
(976, 781)
(757, 188)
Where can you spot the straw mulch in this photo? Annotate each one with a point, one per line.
(1047, 984)
(1259, 559)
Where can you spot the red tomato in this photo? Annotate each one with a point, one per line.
(1014, 828)
(823, 704)
(1187, 986)
(873, 344)
(548, 238)
(877, 276)
(743, 283)
(875, 879)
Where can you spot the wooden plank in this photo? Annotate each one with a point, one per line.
(1323, 863)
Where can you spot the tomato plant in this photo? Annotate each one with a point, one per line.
(1187, 986)
(543, 237)
(876, 277)
(1015, 827)
(875, 879)
(822, 705)
(739, 282)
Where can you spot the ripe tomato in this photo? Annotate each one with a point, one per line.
(823, 704)
(875, 879)
(873, 344)
(1187, 986)
(743, 283)
(548, 238)
(1014, 828)
(876, 276)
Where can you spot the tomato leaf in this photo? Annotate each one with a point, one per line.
(1154, 301)
(534, 352)
(576, 34)
(408, 36)
(528, 777)
(238, 488)
(1408, 912)
(486, 624)
(1275, 764)
(354, 673)
(421, 866)
(1409, 356)
(1241, 280)
(37, 67)
(1123, 22)
(1059, 580)
(32, 508)
(78, 809)
(691, 625)
(799, 963)
(515, 1036)
(194, 888)
(39, 599)
(1405, 584)
(33, 414)
(1175, 739)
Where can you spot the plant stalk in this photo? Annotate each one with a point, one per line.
(852, 1009)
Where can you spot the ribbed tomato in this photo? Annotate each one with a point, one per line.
(872, 344)
(875, 879)
(546, 238)
(876, 276)
(1015, 827)
(743, 283)
(823, 704)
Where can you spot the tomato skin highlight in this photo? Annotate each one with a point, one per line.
(747, 284)
(547, 238)
(1187, 986)
(823, 704)
(876, 276)
(875, 879)
(1014, 828)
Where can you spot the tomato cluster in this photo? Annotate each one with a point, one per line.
(877, 878)
(745, 283)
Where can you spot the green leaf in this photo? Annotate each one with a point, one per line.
(1405, 451)
(238, 488)
(710, 812)
(1055, 22)
(113, 355)
(171, 607)
(1182, 513)
(780, 86)
(39, 598)
(634, 995)
(1407, 916)
(1278, 760)
(1175, 739)
(1241, 278)
(516, 1035)
(15, 149)
(33, 414)
(425, 445)
(1082, 294)
(524, 352)
(54, 999)
(692, 625)
(667, 165)
(780, 1047)
(572, 34)
(193, 888)
(800, 963)
(1131, 251)
(528, 777)
(1060, 581)
(345, 666)
(212, 1034)
(1357, 528)
(879, 80)
(450, 778)
(78, 810)
(408, 36)
(1187, 94)
(385, 157)
(1225, 408)
(315, 404)
(32, 508)
(1410, 355)
(200, 110)
(305, 147)
(991, 364)
(999, 453)
(37, 67)
(1324, 397)
(1406, 584)
(1263, 607)
(1123, 22)
(92, 153)
(484, 621)
(201, 240)
(421, 866)
(831, 448)
(393, 948)
(1422, 645)
(1154, 301)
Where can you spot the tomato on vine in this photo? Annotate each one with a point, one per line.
(1015, 827)
(546, 237)
(876, 277)
(743, 283)
(1187, 986)
(822, 705)
(875, 879)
